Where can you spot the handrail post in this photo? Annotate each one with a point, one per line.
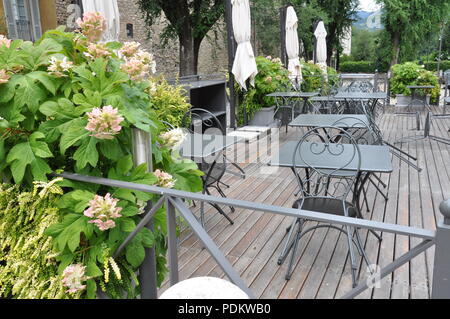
(172, 242)
(441, 268)
(142, 153)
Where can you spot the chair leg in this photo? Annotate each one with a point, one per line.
(220, 210)
(223, 195)
(354, 266)
(294, 250)
(287, 244)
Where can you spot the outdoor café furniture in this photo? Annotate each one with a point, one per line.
(360, 98)
(314, 120)
(200, 120)
(358, 82)
(328, 104)
(320, 161)
(207, 150)
(290, 101)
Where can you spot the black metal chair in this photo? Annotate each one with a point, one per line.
(198, 121)
(315, 189)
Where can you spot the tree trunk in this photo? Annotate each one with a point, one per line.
(395, 48)
(187, 56)
(197, 43)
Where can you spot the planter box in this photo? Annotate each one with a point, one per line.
(404, 100)
(263, 117)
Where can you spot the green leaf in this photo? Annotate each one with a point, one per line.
(111, 149)
(76, 200)
(124, 165)
(7, 91)
(19, 157)
(86, 153)
(50, 82)
(29, 93)
(135, 253)
(74, 133)
(91, 289)
(40, 169)
(39, 148)
(127, 225)
(148, 239)
(125, 194)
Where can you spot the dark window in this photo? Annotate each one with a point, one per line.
(129, 30)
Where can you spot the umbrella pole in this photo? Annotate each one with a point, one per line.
(231, 53)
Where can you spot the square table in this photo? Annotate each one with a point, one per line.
(285, 96)
(315, 120)
(374, 158)
(361, 96)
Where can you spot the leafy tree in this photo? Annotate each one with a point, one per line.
(408, 22)
(187, 20)
(364, 43)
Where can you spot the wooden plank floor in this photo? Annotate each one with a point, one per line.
(254, 242)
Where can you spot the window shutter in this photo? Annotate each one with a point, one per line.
(35, 19)
(10, 19)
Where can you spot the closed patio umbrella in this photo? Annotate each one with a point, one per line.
(321, 47)
(110, 11)
(244, 64)
(292, 46)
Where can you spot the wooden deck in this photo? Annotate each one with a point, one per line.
(254, 242)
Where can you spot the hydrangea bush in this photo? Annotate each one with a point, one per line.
(68, 103)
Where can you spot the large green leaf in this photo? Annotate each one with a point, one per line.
(51, 83)
(86, 153)
(72, 134)
(29, 93)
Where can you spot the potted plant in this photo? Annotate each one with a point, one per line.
(410, 73)
(260, 108)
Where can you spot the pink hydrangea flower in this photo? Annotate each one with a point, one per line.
(73, 276)
(4, 76)
(129, 49)
(136, 69)
(98, 50)
(104, 122)
(92, 26)
(5, 41)
(103, 210)
(59, 67)
(164, 179)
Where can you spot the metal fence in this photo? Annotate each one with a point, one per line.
(174, 200)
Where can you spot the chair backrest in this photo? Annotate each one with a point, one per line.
(363, 132)
(198, 120)
(324, 155)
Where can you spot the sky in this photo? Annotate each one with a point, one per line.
(368, 5)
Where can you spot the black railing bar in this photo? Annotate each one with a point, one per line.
(424, 245)
(210, 245)
(144, 221)
(292, 212)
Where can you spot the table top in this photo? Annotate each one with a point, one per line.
(361, 95)
(326, 98)
(420, 86)
(344, 120)
(204, 145)
(374, 158)
(293, 94)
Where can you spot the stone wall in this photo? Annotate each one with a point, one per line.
(212, 58)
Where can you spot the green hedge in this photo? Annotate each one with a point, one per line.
(361, 67)
(432, 66)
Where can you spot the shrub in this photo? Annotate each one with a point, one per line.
(67, 104)
(170, 102)
(410, 73)
(357, 67)
(28, 268)
(312, 77)
(432, 66)
(271, 77)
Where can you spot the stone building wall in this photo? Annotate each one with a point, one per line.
(213, 54)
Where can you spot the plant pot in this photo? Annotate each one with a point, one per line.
(405, 100)
(263, 117)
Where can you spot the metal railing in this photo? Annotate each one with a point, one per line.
(174, 200)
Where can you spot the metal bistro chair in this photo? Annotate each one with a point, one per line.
(364, 134)
(313, 150)
(196, 120)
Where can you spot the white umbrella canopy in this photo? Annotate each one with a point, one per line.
(292, 46)
(244, 65)
(110, 11)
(321, 46)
